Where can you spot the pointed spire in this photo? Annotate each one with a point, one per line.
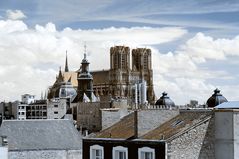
(66, 64)
(60, 76)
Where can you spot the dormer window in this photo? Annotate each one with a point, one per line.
(146, 153)
(120, 152)
(96, 152)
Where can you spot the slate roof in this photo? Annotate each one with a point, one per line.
(228, 105)
(41, 135)
(124, 129)
(179, 124)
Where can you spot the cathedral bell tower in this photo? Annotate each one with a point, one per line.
(85, 81)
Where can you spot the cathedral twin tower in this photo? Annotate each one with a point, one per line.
(124, 76)
(119, 81)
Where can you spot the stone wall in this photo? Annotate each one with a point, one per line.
(112, 116)
(89, 116)
(208, 147)
(192, 143)
(46, 154)
(150, 119)
(56, 109)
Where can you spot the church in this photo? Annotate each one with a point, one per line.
(123, 80)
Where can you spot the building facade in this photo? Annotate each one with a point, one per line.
(8, 110)
(57, 108)
(123, 149)
(37, 110)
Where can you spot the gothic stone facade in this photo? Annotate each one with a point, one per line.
(120, 79)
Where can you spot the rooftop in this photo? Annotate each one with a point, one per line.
(41, 135)
(228, 105)
(179, 124)
(124, 129)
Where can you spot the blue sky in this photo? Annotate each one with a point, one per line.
(200, 34)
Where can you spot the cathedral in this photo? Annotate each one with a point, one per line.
(121, 81)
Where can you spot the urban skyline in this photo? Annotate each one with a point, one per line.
(195, 45)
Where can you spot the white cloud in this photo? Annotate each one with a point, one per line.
(202, 48)
(30, 57)
(15, 14)
(190, 72)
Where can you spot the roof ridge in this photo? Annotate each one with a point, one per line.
(189, 128)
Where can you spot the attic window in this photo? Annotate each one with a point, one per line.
(146, 153)
(96, 152)
(176, 123)
(120, 152)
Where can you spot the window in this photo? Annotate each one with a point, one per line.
(146, 153)
(96, 152)
(55, 112)
(120, 152)
(56, 106)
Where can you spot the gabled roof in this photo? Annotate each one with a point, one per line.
(124, 129)
(179, 124)
(41, 135)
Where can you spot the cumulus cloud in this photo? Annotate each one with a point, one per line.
(202, 48)
(189, 72)
(30, 57)
(15, 14)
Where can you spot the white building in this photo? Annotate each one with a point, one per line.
(3, 148)
(227, 130)
(22, 106)
(27, 98)
(56, 108)
(21, 109)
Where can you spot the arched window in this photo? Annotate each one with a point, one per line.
(96, 152)
(146, 153)
(120, 152)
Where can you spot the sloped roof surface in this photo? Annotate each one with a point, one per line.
(229, 105)
(72, 76)
(41, 135)
(180, 123)
(123, 129)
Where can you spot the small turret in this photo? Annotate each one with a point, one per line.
(216, 99)
(164, 100)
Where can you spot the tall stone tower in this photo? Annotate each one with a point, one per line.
(85, 81)
(141, 63)
(119, 71)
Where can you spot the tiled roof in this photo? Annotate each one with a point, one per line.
(41, 135)
(123, 129)
(177, 125)
(73, 76)
(99, 77)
